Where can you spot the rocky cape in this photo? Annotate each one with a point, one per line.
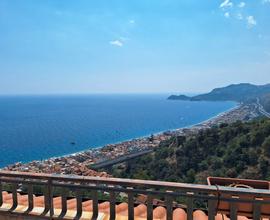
(243, 92)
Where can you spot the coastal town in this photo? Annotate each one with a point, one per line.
(80, 163)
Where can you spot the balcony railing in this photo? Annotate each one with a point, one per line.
(229, 201)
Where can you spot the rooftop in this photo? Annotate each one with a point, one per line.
(44, 196)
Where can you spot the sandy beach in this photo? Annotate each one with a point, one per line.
(79, 163)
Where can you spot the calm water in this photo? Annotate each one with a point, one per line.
(39, 127)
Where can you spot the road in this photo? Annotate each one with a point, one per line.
(121, 159)
(261, 109)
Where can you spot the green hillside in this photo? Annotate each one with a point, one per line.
(238, 150)
(242, 92)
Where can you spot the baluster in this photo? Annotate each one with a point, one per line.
(169, 207)
(149, 207)
(211, 207)
(14, 196)
(190, 200)
(30, 198)
(79, 204)
(112, 205)
(233, 208)
(1, 194)
(48, 199)
(257, 208)
(95, 204)
(130, 204)
(64, 196)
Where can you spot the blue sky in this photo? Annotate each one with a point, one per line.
(140, 46)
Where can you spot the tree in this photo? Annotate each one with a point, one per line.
(235, 150)
(190, 176)
(266, 146)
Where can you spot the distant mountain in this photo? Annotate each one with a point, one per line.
(179, 97)
(242, 92)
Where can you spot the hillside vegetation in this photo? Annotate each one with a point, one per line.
(238, 150)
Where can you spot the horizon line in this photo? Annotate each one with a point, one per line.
(98, 93)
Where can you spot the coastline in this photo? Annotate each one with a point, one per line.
(132, 139)
(79, 163)
(216, 116)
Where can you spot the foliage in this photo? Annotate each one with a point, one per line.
(238, 150)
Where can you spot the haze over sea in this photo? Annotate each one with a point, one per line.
(39, 127)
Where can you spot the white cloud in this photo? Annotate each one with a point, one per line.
(117, 43)
(131, 21)
(239, 16)
(251, 22)
(265, 1)
(241, 4)
(227, 15)
(226, 3)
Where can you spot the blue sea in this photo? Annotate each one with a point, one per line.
(39, 127)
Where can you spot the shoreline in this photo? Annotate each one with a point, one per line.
(218, 115)
(131, 139)
(79, 163)
(156, 133)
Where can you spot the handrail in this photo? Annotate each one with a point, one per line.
(229, 200)
(134, 182)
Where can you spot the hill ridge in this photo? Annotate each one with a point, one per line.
(242, 92)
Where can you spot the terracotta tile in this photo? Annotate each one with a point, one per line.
(7, 196)
(39, 201)
(71, 204)
(123, 209)
(159, 213)
(179, 214)
(88, 206)
(140, 210)
(220, 216)
(57, 203)
(242, 218)
(199, 215)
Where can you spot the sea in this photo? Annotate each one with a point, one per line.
(40, 127)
